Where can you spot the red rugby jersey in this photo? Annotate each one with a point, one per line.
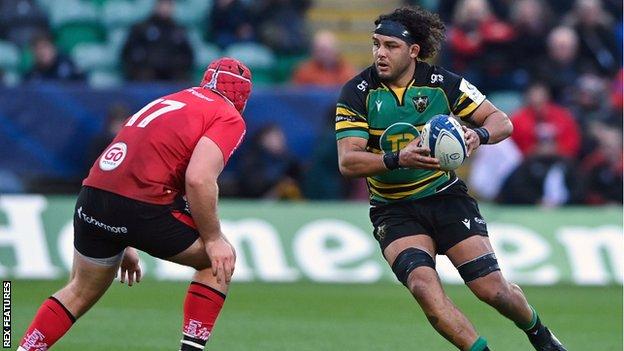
(147, 160)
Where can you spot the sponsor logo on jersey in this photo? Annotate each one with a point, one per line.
(479, 220)
(471, 91)
(363, 85)
(113, 156)
(421, 103)
(378, 103)
(90, 220)
(466, 222)
(397, 136)
(437, 78)
(381, 232)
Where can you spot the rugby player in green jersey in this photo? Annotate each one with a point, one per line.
(418, 210)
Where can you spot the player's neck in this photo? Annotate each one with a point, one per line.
(405, 78)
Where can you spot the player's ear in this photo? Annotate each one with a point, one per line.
(414, 50)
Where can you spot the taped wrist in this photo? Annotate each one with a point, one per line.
(391, 160)
(484, 135)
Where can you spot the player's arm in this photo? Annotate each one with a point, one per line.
(202, 194)
(471, 106)
(493, 126)
(354, 161)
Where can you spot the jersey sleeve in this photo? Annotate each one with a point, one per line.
(464, 98)
(227, 132)
(351, 115)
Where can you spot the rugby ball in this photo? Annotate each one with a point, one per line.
(444, 136)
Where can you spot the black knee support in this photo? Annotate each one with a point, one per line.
(408, 260)
(479, 267)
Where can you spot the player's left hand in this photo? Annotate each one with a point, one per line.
(472, 140)
(130, 267)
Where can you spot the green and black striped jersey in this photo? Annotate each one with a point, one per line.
(390, 118)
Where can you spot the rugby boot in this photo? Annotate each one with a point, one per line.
(545, 340)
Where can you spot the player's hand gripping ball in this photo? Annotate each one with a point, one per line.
(444, 136)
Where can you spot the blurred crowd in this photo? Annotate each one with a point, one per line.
(554, 66)
(144, 40)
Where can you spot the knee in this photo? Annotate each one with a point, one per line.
(206, 277)
(417, 285)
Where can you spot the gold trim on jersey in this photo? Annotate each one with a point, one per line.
(398, 93)
(376, 131)
(351, 124)
(465, 106)
(343, 111)
(399, 191)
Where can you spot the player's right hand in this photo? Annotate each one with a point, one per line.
(222, 258)
(414, 155)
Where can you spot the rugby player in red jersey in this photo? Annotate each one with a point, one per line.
(174, 147)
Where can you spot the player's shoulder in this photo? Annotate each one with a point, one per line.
(362, 82)
(435, 76)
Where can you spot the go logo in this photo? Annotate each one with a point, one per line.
(397, 136)
(113, 156)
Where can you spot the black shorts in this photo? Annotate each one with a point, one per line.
(106, 223)
(448, 218)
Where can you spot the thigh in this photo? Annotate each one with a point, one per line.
(165, 232)
(193, 256)
(469, 249)
(475, 257)
(419, 241)
(99, 233)
(456, 218)
(400, 223)
(422, 281)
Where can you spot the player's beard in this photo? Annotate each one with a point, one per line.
(394, 74)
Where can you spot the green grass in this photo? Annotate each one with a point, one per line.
(305, 316)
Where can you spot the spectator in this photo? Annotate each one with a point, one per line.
(267, 169)
(49, 63)
(548, 137)
(21, 21)
(597, 38)
(542, 122)
(326, 67)
(544, 178)
(158, 48)
(531, 21)
(480, 45)
(230, 23)
(322, 180)
(282, 25)
(617, 94)
(490, 166)
(560, 68)
(603, 167)
(589, 106)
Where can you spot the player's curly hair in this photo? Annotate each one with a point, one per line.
(426, 28)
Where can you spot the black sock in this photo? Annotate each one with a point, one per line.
(192, 344)
(537, 327)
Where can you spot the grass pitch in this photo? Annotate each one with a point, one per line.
(306, 316)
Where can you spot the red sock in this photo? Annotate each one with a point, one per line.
(51, 322)
(201, 309)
